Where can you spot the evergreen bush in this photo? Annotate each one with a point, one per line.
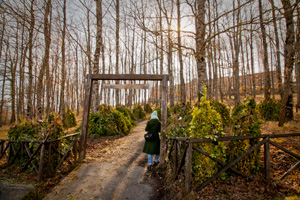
(179, 120)
(127, 113)
(138, 112)
(109, 121)
(206, 123)
(269, 110)
(223, 110)
(148, 108)
(245, 121)
(69, 118)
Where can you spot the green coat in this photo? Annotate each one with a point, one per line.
(153, 147)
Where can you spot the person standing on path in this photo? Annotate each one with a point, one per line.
(153, 147)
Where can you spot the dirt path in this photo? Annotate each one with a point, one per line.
(119, 173)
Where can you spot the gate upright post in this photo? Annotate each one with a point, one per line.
(85, 117)
(164, 104)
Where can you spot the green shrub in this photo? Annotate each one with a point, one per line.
(122, 122)
(206, 123)
(269, 110)
(127, 113)
(223, 110)
(138, 112)
(36, 130)
(109, 121)
(179, 120)
(69, 119)
(148, 108)
(245, 122)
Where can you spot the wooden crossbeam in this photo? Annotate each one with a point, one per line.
(146, 77)
(126, 86)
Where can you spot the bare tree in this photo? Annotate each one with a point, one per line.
(182, 84)
(30, 62)
(286, 112)
(45, 63)
(96, 97)
(200, 46)
(63, 56)
(267, 80)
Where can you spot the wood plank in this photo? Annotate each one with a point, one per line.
(220, 162)
(175, 157)
(290, 170)
(188, 168)
(85, 118)
(284, 149)
(145, 77)
(66, 154)
(231, 164)
(41, 165)
(126, 86)
(5, 149)
(29, 154)
(267, 160)
(16, 154)
(181, 161)
(32, 156)
(164, 105)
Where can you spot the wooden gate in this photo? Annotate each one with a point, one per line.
(146, 77)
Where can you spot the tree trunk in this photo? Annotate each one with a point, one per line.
(286, 112)
(277, 44)
(63, 56)
(3, 84)
(267, 80)
(200, 47)
(182, 84)
(95, 92)
(298, 58)
(45, 63)
(30, 63)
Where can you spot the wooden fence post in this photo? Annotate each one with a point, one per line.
(188, 168)
(175, 156)
(41, 165)
(85, 117)
(267, 159)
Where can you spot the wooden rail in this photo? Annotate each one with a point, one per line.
(187, 144)
(13, 151)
